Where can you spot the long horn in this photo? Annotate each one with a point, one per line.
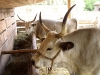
(21, 19)
(34, 18)
(63, 31)
(44, 27)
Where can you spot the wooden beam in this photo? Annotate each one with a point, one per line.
(19, 51)
(69, 4)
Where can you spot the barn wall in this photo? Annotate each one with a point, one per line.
(7, 34)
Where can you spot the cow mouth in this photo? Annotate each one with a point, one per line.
(47, 68)
(36, 67)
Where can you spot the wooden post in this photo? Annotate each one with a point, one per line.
(32, 69)
(34, 46)
(69, 4)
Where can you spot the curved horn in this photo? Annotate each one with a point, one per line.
(63, 30)
(34, 18)
(44, 27)
(21, 19)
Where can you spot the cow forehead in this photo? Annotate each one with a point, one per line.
(27, 24)
(48, 41)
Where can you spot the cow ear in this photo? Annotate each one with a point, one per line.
(66, 45)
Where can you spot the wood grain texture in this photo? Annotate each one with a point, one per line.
(16, 3)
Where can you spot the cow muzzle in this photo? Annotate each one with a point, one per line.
(51, 59)
(33, 63)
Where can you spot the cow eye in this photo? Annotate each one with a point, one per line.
(29, 27)
(49, 49)
(43, 39)
(33, 24)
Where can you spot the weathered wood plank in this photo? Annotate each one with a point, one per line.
(16, 3)
(86, 21)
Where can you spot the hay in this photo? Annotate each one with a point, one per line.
(19, 64)
(23, 41)
(54, 71)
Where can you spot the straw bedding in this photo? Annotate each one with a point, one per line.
(54, 71)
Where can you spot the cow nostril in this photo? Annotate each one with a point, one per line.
(33, 62)
(26, 34)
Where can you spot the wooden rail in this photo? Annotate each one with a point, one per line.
(19, 51)
(95, 22)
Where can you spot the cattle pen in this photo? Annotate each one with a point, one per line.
(16, 49)
(31, 69)
(8, 34)
(33, 50)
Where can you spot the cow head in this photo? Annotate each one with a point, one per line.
(50, 51)
(28, 24)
